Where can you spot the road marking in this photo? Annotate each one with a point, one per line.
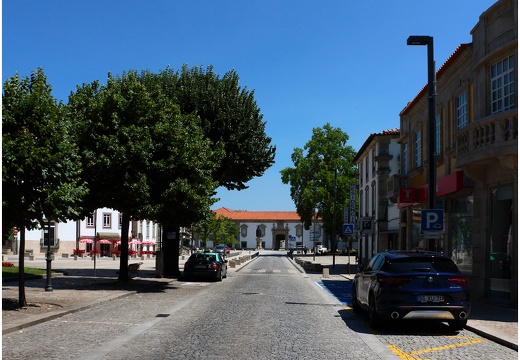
(277, 270)
(412, 355)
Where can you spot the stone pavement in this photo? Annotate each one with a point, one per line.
(73, 292)
(77, 286)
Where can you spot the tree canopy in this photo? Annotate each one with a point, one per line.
(230, 118)
(41, 167)
(322, 171)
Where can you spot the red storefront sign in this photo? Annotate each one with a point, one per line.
(448, 184)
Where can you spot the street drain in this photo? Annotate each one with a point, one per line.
(162, 315)
(251, 293)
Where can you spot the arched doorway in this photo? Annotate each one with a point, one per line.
(281, 242)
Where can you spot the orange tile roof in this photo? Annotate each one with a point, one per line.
(252, 216)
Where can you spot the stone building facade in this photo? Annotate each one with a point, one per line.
(476, 155)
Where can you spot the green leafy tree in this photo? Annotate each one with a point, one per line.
(40, 163)
(145, 159)
(219, 229)
(229, 118)
(320, 178)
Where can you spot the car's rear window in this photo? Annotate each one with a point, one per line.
(421, 264)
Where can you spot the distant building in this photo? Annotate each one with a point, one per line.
(103, 226)
(278, 230)
(378, 177)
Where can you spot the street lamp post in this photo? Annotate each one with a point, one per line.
(428, 41)
(48, 286)
(334, 220)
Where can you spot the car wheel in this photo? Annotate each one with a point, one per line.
(457, 324)
(373, 318)
(355, 303)
(219, 276)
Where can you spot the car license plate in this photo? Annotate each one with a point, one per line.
(430, 298)
(200, 266)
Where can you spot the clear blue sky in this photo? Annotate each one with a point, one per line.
(344, 62)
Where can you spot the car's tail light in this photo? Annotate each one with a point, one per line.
(215, 266)
(393, 281)
(186, 266)
(461, 281)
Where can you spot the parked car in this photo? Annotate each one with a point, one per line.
(320, 249)
(302, 248)
(222, 249)
(409, 285)
(205, 265)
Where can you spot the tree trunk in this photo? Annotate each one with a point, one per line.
(22, 301)
(123, 261)
(170, 250)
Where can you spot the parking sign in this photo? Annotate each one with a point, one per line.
(432, 220)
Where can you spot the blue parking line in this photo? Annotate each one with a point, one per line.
(341, 290)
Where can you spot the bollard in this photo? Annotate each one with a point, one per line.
(325, 272)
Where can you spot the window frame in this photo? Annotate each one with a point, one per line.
(502, 85)
(418, 149)
(462, 110)
(107, 224)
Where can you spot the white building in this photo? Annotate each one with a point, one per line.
(378, 164)
(278, 230)
(103, 225)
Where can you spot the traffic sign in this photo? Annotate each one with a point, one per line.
(348, 229)
(432, 220)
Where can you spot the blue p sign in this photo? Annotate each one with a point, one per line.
(432, 220)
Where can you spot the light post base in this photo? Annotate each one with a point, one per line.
(48, 287)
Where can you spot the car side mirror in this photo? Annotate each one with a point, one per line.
(225, 261)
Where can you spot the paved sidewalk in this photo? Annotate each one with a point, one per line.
(82, 287)
(73, 293)
(494, 321)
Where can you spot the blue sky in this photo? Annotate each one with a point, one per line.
(343, 62)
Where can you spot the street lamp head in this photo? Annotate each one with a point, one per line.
(419, 40)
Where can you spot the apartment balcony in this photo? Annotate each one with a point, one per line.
(488, 140)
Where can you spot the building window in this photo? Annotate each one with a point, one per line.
(90, 220)
(503, 85)
(361, 203)
(366, 201)
(49, 234)
(107, 220)
(418, 155)
(374, 198)
(462, 110)
(361, 173)
(405, 159)
(373, 162)
(147, 229)
(243, 230)
(120, 220)
(438, 135)
(366, 168)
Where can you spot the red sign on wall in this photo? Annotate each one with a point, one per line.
(407, 195)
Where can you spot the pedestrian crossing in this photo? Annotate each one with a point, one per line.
(268, 271)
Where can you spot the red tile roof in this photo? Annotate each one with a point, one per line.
(253, 216)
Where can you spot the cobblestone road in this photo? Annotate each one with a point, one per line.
(266, 310)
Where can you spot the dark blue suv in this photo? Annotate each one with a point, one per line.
(408, 285)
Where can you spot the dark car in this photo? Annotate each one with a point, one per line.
(409, 285)
(205, 265)
(222, 249)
